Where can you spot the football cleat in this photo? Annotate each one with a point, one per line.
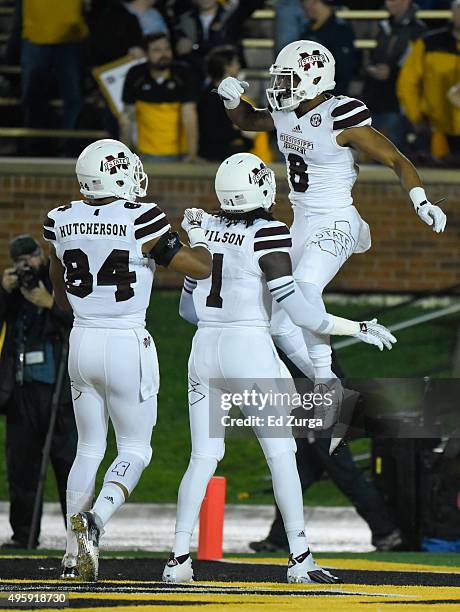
(69, 569)
(328, 409)
(392, 541)
(268, 546)
(352, 402)
(178, 569)
(303, 569)
(87, 532)
(337, 440)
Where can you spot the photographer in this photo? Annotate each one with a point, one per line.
(36, 330)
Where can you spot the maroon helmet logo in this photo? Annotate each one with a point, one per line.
(111, 163)
(259, 174)
(308, 60)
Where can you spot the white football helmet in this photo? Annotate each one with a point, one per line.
(302, 70)
(108, 168)
(244, 183)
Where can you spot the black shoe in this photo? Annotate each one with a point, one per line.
(268, 546)
(392, 541)
(15, 544)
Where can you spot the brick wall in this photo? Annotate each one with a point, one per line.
(405, 256)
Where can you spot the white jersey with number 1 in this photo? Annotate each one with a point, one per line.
(236, 294)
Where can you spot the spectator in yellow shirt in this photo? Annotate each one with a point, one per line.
(52, 37)
(160, 101)
(430, 70)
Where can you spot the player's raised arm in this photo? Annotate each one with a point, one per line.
(370, 141)
(168, 251)
(277, 268)
(243, 114)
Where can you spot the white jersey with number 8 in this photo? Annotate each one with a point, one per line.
(321, 173)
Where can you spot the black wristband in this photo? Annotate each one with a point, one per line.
(165, 249)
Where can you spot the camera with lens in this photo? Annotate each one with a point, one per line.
(27, 276)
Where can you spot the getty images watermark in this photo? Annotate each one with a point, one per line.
(273, 407)
(383, 407)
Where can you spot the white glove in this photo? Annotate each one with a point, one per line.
(231, 90)
(430, 213)
(192, 218)
(433, 215)
(191, 223)
(373, 333)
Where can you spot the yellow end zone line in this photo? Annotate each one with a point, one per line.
(356, 564)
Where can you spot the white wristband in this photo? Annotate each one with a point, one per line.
(418, 197)
(197, 237)
(344, 327)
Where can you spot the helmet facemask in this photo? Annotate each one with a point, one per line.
(139, 178)
(284, 92)
(287, 90)
(132, 182)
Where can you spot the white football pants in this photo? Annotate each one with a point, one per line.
(321, 244)
(114, 374)
(230, 355)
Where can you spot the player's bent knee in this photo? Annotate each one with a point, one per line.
(211, 456)
(278, 454)
(144, 453)
(94, 451)
(126, 470)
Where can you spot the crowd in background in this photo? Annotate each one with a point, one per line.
(171, 111)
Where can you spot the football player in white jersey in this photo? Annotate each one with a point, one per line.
(319, 134)
(251, 268)
(103, 254)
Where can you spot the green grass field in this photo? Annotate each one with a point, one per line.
(420, 350)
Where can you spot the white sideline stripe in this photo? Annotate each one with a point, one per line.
(206, 588)
(131, 528)
(409, 323)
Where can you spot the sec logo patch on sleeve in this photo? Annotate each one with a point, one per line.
(315, 120)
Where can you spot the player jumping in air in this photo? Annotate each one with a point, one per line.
(251, 269)
(103, 254)
(320, 134)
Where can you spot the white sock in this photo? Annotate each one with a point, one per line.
(109, 500)
(324, 373)
(192, 490)
(288, 495)
(297, 541)
(80, 490)
(182, 543)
